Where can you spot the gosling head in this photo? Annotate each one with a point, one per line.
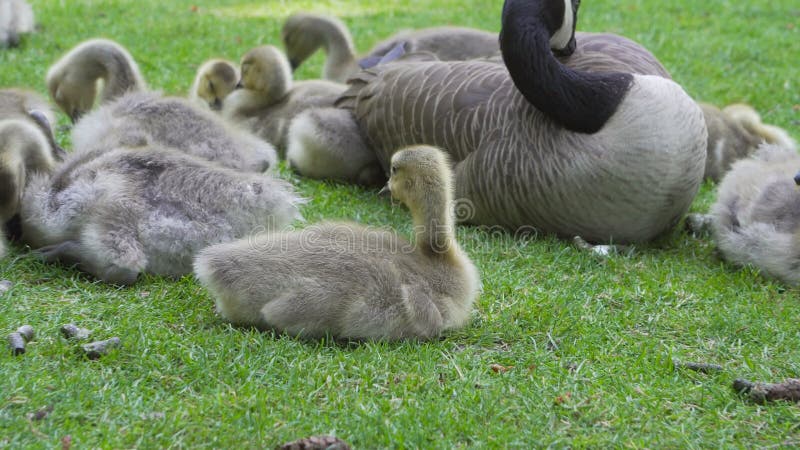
(72, 91)
(797, 179)
(216, 79)
(266, 70)
(558, 17)
(302, 37)
(419, 173)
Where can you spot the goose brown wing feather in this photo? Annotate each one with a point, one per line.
(405, 103)
(604, 52)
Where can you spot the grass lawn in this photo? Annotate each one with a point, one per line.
(588, 343)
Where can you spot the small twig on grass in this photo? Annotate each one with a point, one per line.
(788, 390)
(698, 367)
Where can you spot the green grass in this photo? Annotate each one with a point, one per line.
(591, 341)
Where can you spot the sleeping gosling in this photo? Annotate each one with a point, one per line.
(735, 132)
(350, 281)
(122, 211)
(131, 116)
(269, 99)
(756, 218)
(216, 78)
(16, 18)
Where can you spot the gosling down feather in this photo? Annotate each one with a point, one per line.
(122, 211)
(268, 98)
(215, 79)
(756, 218)
(607, 155)
(350, 281)
(304, 33)
(130, 116)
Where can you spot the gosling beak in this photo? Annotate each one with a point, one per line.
(385, 192)
(797, 179)
(239, 85)
(569, 49)
(216, 105)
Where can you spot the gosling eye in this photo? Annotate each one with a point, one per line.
(394, 170)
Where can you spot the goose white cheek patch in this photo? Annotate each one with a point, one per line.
(561, 38)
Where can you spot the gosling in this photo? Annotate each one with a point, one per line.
(130, 116)
(269, 99)
(345, 156)
(24, 152)
(350, 281)
(123, 211)
(216, 78)
(16, 18)
(735, 132)
(756, 218)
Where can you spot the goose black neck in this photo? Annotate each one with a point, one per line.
(579, 101)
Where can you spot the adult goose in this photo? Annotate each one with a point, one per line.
(610, 156)
(129, 115)
(305, 33)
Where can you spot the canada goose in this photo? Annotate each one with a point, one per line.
(131, 116)
(756, 218)
(16, 17)
(216, 78)
(609, 156)
(269, 99)
(351, 281)
(124, 211)
(304, 33)
(734, 133)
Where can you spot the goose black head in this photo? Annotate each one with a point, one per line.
(557, 17)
